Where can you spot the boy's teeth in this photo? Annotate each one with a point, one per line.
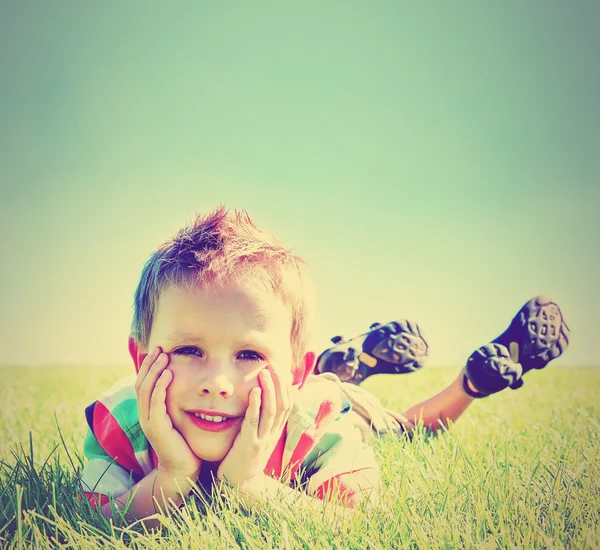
(211, 418)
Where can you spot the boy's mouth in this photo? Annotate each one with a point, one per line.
(212, 423)
(216, 418)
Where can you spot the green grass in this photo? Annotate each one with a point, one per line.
(519, 470)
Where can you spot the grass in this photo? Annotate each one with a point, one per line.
(519, 470)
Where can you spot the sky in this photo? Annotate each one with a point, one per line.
(433, 161)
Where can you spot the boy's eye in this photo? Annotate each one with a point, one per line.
(249, 355)
(188, 350)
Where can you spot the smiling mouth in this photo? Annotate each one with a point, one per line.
(212, 423)
(216, 418)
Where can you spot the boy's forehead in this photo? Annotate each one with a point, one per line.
(251, 302)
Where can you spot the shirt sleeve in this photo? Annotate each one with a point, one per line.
(101, 476)
(116, 451)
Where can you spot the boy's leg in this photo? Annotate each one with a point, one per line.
(536, 335)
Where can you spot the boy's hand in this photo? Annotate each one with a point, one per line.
(268, 410)
(175, 457)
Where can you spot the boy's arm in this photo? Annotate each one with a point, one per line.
(341, 481)
(178, 467)
(154, 494)
(264, 488)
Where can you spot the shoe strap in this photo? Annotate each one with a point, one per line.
(367, 359)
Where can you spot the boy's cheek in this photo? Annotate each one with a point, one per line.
(249, 386)
(285, 375)
(250, 379)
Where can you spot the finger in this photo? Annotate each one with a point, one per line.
(158, 399)
(282, 399)
(268, 407)
(279, 388)
(155, 370)
(149, 382)
(249, 427)
(284, 413)
(143, 405)
(145, 366)
(291, 392)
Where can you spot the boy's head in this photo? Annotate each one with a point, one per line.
(217, 248)
(223, 299)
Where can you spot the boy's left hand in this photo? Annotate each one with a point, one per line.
(268, 410)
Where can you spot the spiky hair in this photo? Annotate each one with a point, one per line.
(218, 247)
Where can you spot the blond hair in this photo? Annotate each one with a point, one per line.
(218, 247)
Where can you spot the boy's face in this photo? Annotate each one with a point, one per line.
(218, 340)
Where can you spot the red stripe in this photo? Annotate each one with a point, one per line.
(311, 435)
(305, 444)
(337, 490)
(113, 440)
(274, 466)
(325, 410)
(95, 499)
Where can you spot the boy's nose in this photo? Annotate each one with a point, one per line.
(218, 380)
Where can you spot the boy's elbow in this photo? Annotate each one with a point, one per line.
(367, 495)
(352, 490)
(96, 500)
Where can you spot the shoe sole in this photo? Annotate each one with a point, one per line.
(537, 334)
(401, 348)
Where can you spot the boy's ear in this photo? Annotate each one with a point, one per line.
(302, 374)
(136, 354)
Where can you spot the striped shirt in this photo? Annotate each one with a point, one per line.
(319, 451)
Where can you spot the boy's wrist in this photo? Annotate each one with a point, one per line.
(250, 490)
(179, 475)
(172, 485)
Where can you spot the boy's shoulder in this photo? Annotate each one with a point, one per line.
(122, 390)
(119, 401)
(318, 391)
(113, 419)
(319, 418)
(323, 441)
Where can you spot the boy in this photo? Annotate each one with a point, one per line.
(224, 391)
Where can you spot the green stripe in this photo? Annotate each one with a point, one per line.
(91, 448)
(126, 414)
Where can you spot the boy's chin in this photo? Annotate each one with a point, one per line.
(215, 456)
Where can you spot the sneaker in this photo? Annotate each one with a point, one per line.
(395, 348)
(490, 369)
(537, 334)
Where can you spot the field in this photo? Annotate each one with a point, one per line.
(519, 470)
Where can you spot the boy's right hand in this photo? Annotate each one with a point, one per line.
(175, 457)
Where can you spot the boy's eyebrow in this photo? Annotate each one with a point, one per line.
(183, 337)
(186, 337)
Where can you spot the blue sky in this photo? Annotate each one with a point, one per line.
(436, 161)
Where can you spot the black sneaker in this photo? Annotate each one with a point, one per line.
(396, 348)
(490, 369)
(537, 334)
